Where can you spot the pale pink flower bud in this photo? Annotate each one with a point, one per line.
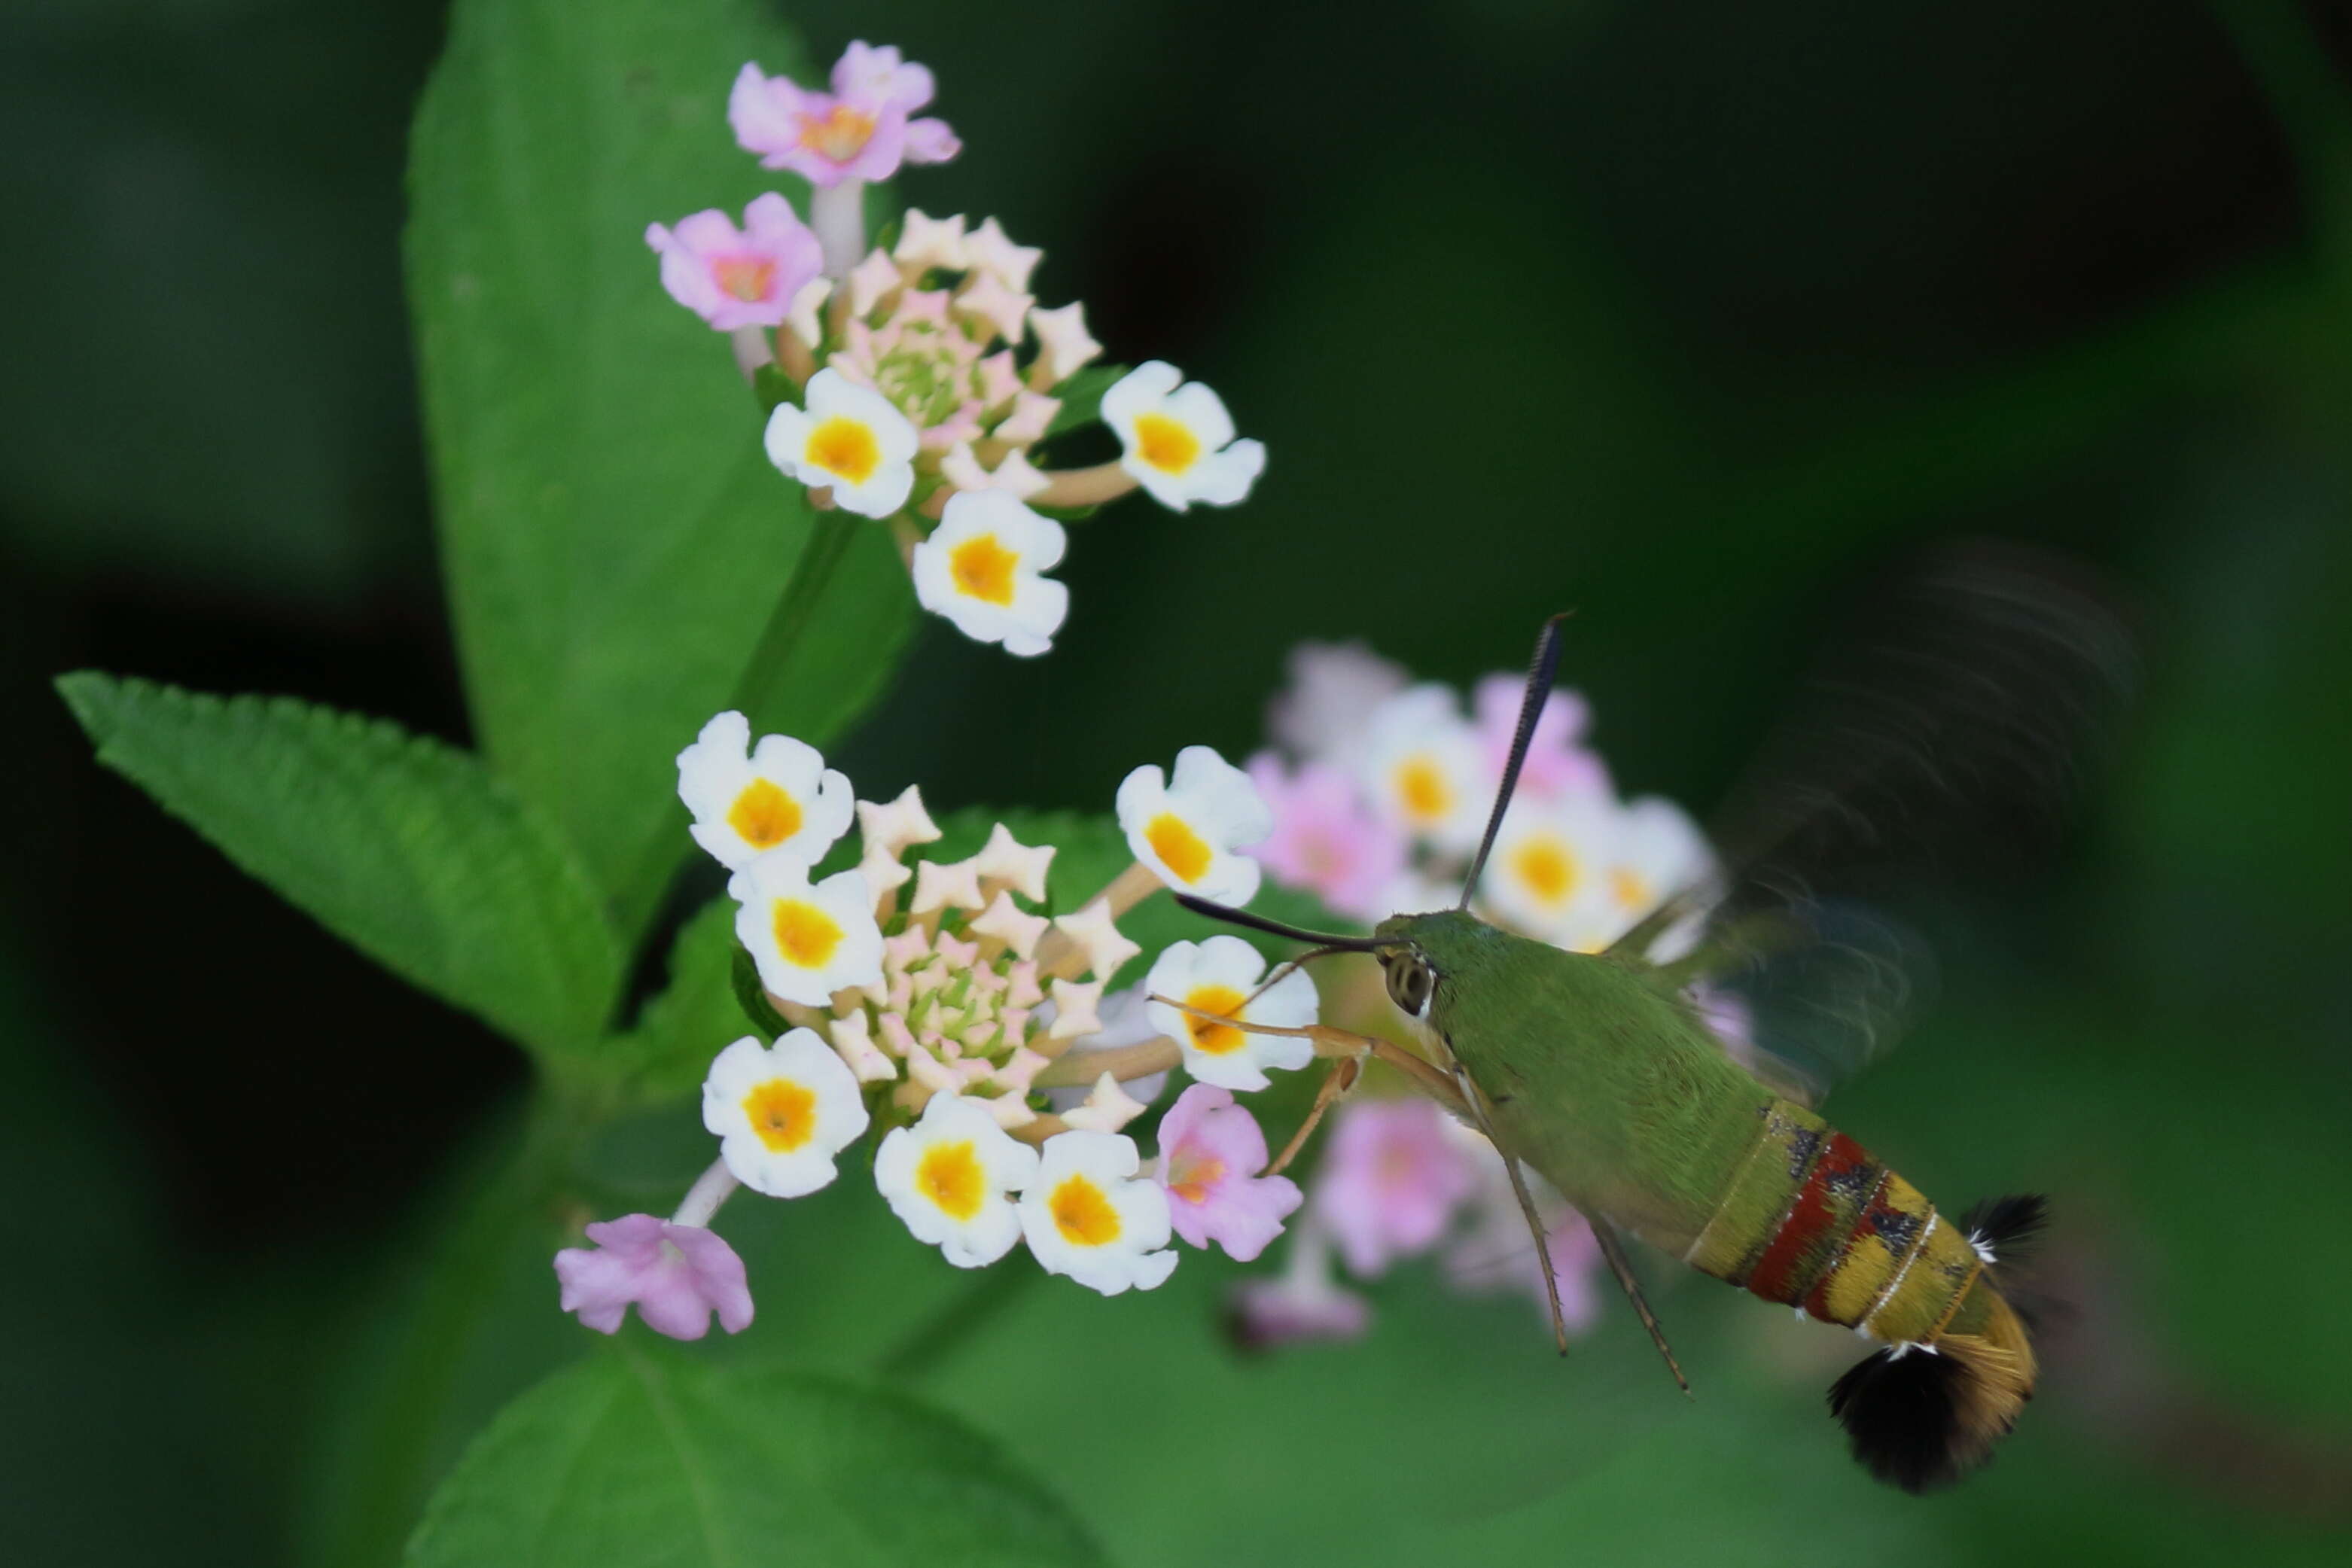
(676, 1276)
(859, 131)
(1558, 763)
(738, 277)
(1303, 1303)
(1391, 1181)
(1326, 840)
(1211, 1151)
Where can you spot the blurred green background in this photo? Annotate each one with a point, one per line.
(1687, 314)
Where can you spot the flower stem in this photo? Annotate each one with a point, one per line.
(764, 678)
(939, 1335)
(768, 674)
(753, 347)
(393, 1453)
(1123, 1063)
(838, 213)
(1085, 487)
(712, 1188)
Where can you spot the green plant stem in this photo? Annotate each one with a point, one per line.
(763, 676)
(393, 1453)
(828, 542)
(939, 1335)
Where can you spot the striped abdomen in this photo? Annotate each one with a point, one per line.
(1811, 1220)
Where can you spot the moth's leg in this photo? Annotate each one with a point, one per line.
(1342, 1042)
(1613, 1249)
(1527, 1204)
(1345, 1071)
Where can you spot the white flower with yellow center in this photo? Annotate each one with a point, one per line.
(850, 440)
(980, 569)
(1086, 1214)
(1188, 828)
(783, 1111)
(1655, 852)
(947, 1177)
(1179, 439)
(1217, 976)
(809, 941)
(1547, 876)
(1421, 768)
(748, 801)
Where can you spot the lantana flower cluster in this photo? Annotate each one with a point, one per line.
(1379, 789)
(940, 1011)
(938, 1004)
(924, 378)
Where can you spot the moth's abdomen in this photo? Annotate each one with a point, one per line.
(1811, 1220)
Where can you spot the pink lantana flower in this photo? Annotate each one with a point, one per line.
(1559, 762)
(1391, 1181)
(1495, 1252)
(738, 277)
(1320, 714)
(1303, 1303)
(1211, 1151)
(675, 1275)
(859, 131)
(1326, 840)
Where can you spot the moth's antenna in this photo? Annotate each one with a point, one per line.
(1539, 676)
(1232, 916)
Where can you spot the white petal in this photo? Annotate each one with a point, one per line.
(1138, 392)
(1203, 413)
(1223, 478)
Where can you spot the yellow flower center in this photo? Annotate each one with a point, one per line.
(806, 934)
(1546, 868)
(764, 815)
(1421, 785)
(1628, 889)
(746, 278)
(1184, 852)
(983, 568)
(782, 1113)
(1214, 1038)
(1083, 1214)
(950, 1176)
(844, 448)
(1191, 1179)
(840, 133)
(1164, 443)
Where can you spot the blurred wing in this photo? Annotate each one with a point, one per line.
(1815, 1011)
(1956, 716)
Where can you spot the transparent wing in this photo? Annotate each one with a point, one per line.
(1954, 719)
(1817, 1009)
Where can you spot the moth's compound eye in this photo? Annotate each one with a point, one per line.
(1410, 983)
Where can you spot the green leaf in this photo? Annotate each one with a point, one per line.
(677, 1033)
(775, 389)
(751, 997)
(1081, 393)
(405, 848)
(613, 535)
(638, 1457)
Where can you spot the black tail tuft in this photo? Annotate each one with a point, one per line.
(2006, 1226)
(1902, 1411)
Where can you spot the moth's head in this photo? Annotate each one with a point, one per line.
(1400, 944)
(1418, 951)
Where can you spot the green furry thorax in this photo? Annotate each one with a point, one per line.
(1600, 1078)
